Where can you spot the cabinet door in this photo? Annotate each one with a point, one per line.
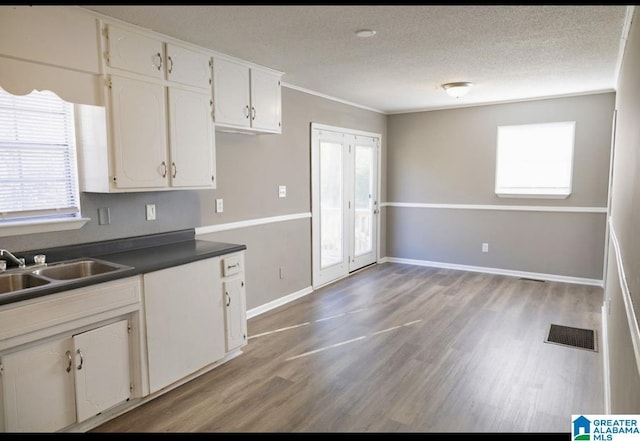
(188, 67)
(265, 101)
(192, 139)
(184, 319)
(38, 385)
(134, 52)
(231, 93)
(102, 368)
(235, 312)
(138, 127)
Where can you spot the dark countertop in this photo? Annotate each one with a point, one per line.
(143, 254)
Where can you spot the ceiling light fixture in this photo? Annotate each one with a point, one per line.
(365, 33)
(457, 90)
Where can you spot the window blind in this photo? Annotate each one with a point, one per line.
(38, 172)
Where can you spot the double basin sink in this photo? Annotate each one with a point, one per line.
(19, 280)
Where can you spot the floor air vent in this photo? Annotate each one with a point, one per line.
(575, 337)
(527, 279)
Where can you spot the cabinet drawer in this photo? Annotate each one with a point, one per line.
(232, 265)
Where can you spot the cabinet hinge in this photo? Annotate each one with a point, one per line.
(114, 178)
(108, 83)
(131, 387)
(129, 329)
(213, 178)
(279, 83)
(1, 369)
(210, 62)
(244, 336)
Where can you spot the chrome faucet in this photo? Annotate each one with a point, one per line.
(17, 260)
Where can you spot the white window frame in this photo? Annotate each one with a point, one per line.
(39, 219)
(530, 137)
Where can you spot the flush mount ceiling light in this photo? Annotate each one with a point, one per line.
(365, 33)
(457, 90)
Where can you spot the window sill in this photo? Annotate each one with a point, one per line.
(534, 196)
(32, 227)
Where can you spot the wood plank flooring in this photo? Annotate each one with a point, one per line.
(399, 348)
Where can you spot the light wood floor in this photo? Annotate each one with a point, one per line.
(399, 348)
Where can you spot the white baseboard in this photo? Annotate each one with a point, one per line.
(278, 302)
(504, 272)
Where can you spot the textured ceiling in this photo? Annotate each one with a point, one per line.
(508, 52)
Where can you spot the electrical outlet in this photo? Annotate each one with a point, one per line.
(104, 216)
(151, 211)
(485, 247)
(282, 191)
(219, 206)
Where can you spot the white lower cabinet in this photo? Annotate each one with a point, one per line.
(66, 380)
(184, 320)
(68, 357)
(233, 287)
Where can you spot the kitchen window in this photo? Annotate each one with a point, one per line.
(535, 160)
(38, 171)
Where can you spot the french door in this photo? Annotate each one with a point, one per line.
(344, 201)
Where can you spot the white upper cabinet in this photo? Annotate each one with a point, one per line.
(247, 97)
(159, 123)
(188, 67)
(191, 136)
(147, 54)
(266, 101)
(133, 52)
(139, 141)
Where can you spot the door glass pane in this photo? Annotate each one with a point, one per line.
(331, 240)
(363, 220)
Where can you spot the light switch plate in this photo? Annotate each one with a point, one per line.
(282, 191)
(151, 211)
(219, 206)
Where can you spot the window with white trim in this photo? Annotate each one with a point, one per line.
(535, 160)
(38, 171)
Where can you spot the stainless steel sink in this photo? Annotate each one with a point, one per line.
(79, 269)
(22, 280)
(19, 281)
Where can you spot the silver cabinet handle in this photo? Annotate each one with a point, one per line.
(174, 168)
(235, 265)
(170, 64)
(157, 57)
(70, 361)
(253, 113)
(246, 111)
(164, 169)
(79, 352)
(228, 298)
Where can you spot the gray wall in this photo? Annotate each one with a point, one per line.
(250, 169)
(625, 218)
(448, 157)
